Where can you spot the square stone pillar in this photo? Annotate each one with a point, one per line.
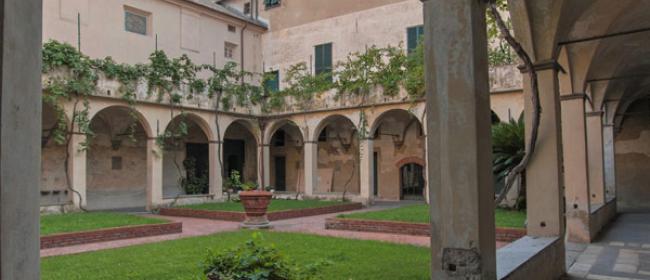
(576, 170)
(77, 170)
(544, 179)
(154, 175)
(20, 144)
(459, 145)
(216, 170)
(366, 169)
(609, 156)
(596, 157)
(311, 167)
(266, 153)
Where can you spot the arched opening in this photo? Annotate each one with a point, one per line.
(287, 158)
(338, 156)
(398, 139)
(240, 152)
(186, 162)
(632, 157)
(412, 182)
(116, 165)
(53, 152)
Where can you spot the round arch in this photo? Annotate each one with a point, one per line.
(277, 125)
(329, 120)
(137, 115)
(401, 114)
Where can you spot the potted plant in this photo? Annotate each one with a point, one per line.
(255, 202)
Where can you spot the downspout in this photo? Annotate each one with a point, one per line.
(242, 48)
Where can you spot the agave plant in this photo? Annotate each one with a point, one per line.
(508, 140)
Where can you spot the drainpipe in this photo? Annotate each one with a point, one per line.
(242, 48)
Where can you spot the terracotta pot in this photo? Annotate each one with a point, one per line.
(255, 204)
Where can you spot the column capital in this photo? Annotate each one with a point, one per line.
(573, 96)
(215, 142)
(310, 142)
(550, 64)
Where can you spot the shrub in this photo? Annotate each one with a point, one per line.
(255, 260)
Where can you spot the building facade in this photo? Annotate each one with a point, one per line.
(314, 152)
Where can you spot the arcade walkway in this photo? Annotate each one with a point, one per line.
(622, 252)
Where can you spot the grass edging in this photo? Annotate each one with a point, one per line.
(418, 229)
(273, 216)
(108, 234)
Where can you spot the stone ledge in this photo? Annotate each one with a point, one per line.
(110, 234)
(273, 216)
(419, 229)
(531, 258)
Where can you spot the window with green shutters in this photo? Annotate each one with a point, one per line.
(271, 3)
(414, 35)
(323, 59)
(273, 82)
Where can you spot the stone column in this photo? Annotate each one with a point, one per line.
(154, 174)
(544, 180)
(77, 170)
(311, 167)
(216, 170)
(266, 153)
(20, 144)
(596, 159)
(576, 170)
(610, 163)
(366, 173)
(459, 145)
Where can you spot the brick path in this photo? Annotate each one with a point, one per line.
(199, 227)
(621, 253)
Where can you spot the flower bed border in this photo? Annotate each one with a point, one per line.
(419, 229)
(273, 216)
(108, 234)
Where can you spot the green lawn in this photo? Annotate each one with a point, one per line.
(51, 224)
(181, 259)
(275, 206)
(420, 214)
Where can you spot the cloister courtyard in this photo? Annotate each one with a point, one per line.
(306, 140)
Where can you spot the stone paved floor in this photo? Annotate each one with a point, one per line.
(198, 227)
(621, 253)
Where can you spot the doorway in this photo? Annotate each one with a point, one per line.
(280, 174)
(412, 182)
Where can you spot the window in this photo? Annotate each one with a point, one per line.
(136, 21)
(229, 50)
(247, 8)
(232, 28)
(324, 59)
(414, 36)
(272, 84)
(116, 163)
(271, 3)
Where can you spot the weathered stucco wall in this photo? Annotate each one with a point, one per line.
(175, 155)
(632, 158)
(177, 27)
(53, 177)
(116, 165)
(393, 152)
(294, 155)
(338, 164)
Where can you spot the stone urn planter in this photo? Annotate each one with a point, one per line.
(255, 205)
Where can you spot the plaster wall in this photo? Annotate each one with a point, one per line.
(239, 132)
(181, 27)
(632, 157)
(173, 158)
(338, 164)
(391, 155)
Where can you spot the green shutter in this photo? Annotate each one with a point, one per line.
(414, 36)
(323, 58)
(273, 83)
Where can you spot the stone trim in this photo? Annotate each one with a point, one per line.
(273, 216)
(215, 142)
(417, 229)
(111, 234)
(573, 96)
